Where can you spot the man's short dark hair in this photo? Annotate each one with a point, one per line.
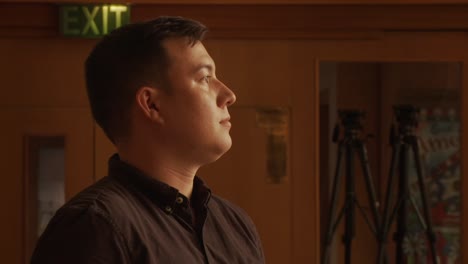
(128, 58)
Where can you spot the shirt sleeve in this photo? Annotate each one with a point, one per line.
(77, 235)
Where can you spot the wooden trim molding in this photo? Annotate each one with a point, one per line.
(253, 2)
(262, 21)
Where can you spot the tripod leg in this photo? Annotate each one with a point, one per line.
(422, 188)
(403, 190)
(350, 199)
(371, 195)
(333, 204)
(387, 219)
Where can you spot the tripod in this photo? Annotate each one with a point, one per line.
(402, 142)
(348, 145)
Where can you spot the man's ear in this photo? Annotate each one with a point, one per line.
(147, 99)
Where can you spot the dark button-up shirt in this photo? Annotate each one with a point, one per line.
(128, 217)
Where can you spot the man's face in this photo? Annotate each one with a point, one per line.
(195, 110)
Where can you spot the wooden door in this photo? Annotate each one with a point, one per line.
(21, 129)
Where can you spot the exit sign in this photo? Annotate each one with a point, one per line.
(92, 20)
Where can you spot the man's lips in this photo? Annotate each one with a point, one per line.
(225, 121)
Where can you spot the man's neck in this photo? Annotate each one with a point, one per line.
(159, 167)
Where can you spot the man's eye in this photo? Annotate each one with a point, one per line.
(207, 78)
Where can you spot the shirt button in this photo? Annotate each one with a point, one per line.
(179, 200)
(168, 209)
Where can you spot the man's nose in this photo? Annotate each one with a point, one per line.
(227, 96)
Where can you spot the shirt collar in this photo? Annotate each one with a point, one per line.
(166, 196)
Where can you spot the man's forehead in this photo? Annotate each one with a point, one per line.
(180, 49)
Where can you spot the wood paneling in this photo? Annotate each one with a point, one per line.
(38, 72)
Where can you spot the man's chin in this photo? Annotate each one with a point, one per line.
(218, 151)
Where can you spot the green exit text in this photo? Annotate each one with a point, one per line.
(92, 20)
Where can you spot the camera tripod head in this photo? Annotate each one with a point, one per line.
(351, 121)
(407, 117)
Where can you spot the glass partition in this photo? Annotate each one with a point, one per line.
(45, 183)
(390, 105)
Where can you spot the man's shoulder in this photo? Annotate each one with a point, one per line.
(84, 228)
(107, 198)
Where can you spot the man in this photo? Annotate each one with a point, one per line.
(153, 90)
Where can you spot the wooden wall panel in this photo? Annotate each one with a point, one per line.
(43, 72)
(259, 72)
